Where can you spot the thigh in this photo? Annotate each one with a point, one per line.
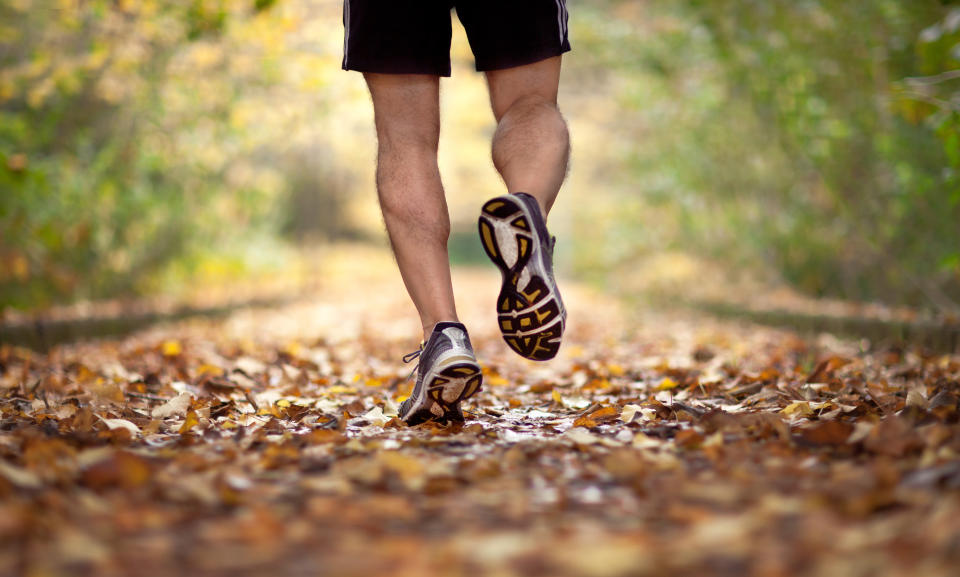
(397, 36)
(509, 33)
(406, 109)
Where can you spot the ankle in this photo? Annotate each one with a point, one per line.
(428, 327)
(544, 209)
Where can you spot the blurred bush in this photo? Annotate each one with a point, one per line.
(817, 139)
(113, 145)
(318, 197)
(139, 136)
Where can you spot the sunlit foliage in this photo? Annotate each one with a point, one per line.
(129, 137)
(816, 139)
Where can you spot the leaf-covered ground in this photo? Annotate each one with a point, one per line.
(655, 444)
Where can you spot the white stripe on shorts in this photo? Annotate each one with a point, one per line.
(566, 17)
(560, 19)
(346, 30)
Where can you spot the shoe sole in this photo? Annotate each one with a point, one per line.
(530, 320)
(461, 378)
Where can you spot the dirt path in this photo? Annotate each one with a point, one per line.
(265, 443)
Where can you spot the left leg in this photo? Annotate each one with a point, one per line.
(407, 117)
(530, 150)
(402, 47)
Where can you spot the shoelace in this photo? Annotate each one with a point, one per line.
(409, 357)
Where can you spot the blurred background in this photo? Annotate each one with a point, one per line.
(805, 152)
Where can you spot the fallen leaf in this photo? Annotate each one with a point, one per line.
(376, 416)
(630, 412)
(826, 433)
(604, 414)
(581, 436)
(667, 384)
(20, 478)
(121, 469)
(584, 422)
(189, 422)
(798, 408)
(113, 424)
(171, 348)
(175, 407)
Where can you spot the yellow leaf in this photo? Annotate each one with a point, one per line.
(189, 423)
(496, 381)
(801, 408)
(209, 370)
(557, 398)
(171, 348)
(20, 265)
(337, 389)
(667, 384)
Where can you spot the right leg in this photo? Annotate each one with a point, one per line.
(407, 115)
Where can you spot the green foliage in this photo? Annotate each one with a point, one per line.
(816, 138)
(205, 18)
(261, 5)
(106, 170)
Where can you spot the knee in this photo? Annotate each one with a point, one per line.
(407, 144)
(405, 158)
(404, 136)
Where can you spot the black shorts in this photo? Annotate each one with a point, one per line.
(413, 36)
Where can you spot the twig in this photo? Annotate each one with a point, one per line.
(246, 393)
(934, 79)
(938, 102)
(593, 407)
(146, 396)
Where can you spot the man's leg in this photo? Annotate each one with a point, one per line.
(407, 115)
(530, 150)
(531, 145)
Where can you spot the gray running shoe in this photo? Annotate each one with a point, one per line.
(530, 312)
(447, 373)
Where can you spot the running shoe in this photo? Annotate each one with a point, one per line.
(529, 309)
(447, 373)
